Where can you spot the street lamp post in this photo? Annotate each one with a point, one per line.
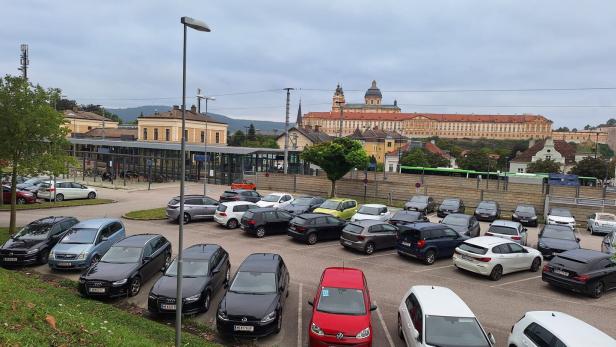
(198, 25)
(206, 98)
(341, 105)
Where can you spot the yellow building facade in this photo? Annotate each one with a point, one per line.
(378, 143)
(83, 121)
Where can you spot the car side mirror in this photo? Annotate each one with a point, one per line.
(373, 307)
(311, 302)
(524, 229)
(491, 338)
(525, 250)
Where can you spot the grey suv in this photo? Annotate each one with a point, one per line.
(368, 236)
(195, 207)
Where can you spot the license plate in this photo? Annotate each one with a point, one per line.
(523, 220)
(10, 259)
(65, 264)
(562, 273)
(407, 244)
(96, 290)
(167, 307)
(348, 243)
(249, 328)
(466, 257)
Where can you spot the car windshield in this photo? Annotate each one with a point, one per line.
(606, 217)
(525, 209)
(488, 206)
(473, 248)
(564, 233)
(121, 255)
(34, 231)
(330, 205)
(455, 220)
(190, 268)
(250, 282)
(374, 211)
(271, 198)
(454, 332)
(503, 230)
(560, 212)
(353, 228)
(301, 202)
(80, 236)
(419, 199)
(450, 203)
(342, 301)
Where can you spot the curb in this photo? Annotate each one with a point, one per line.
(52, 207)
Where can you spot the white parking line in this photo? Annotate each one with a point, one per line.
(371, 256)
(306, 247)
(378, 312)
(299, 317)
(511, 282)
(434, 268)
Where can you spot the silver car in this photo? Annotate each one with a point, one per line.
(368, 236)
(602, 223)
(513, 231)
(195, 207)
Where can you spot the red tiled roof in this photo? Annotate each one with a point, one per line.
(176, 113)
(564, 148)
(434, 149)
(85, 115)
(434, 116)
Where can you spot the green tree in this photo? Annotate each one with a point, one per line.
(594, 167)
(252, 133)
(32, 134)
(611, 121)
(337, 158)
(423, 158)
(587, 127)
(561, 129)
(478, 160)
(543, 166)
(237, 139)
(99, 110)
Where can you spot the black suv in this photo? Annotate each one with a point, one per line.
(240, 195)
(407, 217)
(450, 205)
(311, 227)
(31, 244)
(266, 220)
(428, 241)
(488, 210)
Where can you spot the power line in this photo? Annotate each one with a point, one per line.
(511, 106)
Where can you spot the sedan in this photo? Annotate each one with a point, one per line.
(602, 223)
(312, 227)
(463, 224)
(372, 212)
(21, 196)
(404, 217)
(554, 239)
(195, 207)
(368, 236)
(494, 256)
(450, 205)
(304, 204)
(240, 195)
(205, 270)
(129, 263)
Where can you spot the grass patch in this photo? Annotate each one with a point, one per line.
(50, 204)
(4, 234)
(35, 313)
(151, 214)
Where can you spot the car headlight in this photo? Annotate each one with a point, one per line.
(82, 280)
(193, 298)
(33, 251)
(363, 334)
(152, 296)
(533, 217)
(269, 318)
(120, 282)
(82, 256)
(515, 215)
(542, 245)
(315, 329)
(222, 315)
(52, 254)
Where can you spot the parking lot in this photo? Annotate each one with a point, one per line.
(498, 305)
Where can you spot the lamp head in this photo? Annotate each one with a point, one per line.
(195, 24)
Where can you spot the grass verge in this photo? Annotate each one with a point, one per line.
(36, 313)
(50, 204)
(151, 214)
(4, 234)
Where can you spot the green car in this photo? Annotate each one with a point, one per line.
(337, 207)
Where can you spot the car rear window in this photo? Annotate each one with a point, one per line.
(412, 234)
(221, 208)
(406, 216)
(606, 217)
(249, 215)
(498, 229)
(229, 193)
(300, 220)
(353, 228)
(473, 248)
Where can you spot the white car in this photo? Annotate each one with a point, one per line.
(372, 212)
(551, 328)
(509, 230)
(64, 190)
(558, 215)
(230, 213)
(494, 256)
(600, 222)
(275, 200)
(436, 316)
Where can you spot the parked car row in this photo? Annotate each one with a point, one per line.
(47, 188)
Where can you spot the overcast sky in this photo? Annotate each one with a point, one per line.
(128, 53)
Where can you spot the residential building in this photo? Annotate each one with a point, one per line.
(559, 151)
(392, 158)
(300, 138)
(78, 121)
(379, 142)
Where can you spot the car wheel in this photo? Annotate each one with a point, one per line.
(60, 197)
(207, 300)
(430, 257)
(312, 238)
(134, 287)
(534, 267)
(400, 332)
(94, 260)
(497, 273)
(232, 223)
(260, 232)
(596, 291)
(91, 195)
(21, 201)
(186, 218)
(44, 256)
(369, 248)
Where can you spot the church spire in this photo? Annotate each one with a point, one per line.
(299, 121)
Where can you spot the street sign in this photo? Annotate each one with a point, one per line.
(200, 157)
(365, 181)
(417, 185)
(149, 163)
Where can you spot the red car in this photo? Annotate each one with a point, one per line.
(244, 185)
(22, 196)
(341, 309)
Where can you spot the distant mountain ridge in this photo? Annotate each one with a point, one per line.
(131, 113)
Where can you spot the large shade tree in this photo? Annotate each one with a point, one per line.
(478, 160)
(594, 167)
(421, 157)
(337, 158)
(543, 166)
(32, 134)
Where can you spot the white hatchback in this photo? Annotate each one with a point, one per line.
(550, 328)
(230, 213)
(436, 316)
(275, 200)
(372, 212)
(494, 256)
(65, 190)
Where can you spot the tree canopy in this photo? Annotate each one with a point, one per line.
(337, 158)
(252, 133)
(478, 160)
(421, 157)
(543, 166)
(594, 167)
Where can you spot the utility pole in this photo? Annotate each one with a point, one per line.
(24, 60)
(205, 137)
(340, 104)
(286, 132)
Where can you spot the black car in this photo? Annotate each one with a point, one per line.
(312, 227)
(554, 239)
(253, 304)
(407, 217)
(428, 241)
(266, 220)
(421, 203)
(525, 215)
(581, 270)
(205, 269)
(450, 205)
(488, 210)
(304, 204)
(463, 224)
(31, 244)
(240, 195)
(126, 265)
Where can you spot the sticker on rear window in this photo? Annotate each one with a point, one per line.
(325, 292)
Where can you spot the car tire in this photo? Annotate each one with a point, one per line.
(312, 238)
(260, 232)
(534, 266)
(400, 333)
(597, 289)
(497, 273)
(95, 259)
(43, 257)
(134, 286)
(207, 301)
(91, 195)
(232, 223)
(369, 249)
(167, 261)
(430, 257)
(186, 218)
(59, 197)
(21, 201)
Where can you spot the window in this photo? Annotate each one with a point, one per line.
(270, 216)
(332, 220)
(159, 243)
(389, 228)
(115, 227)
(449, 234)
(186, 135)
(217, 137)
(541, 337)
(376, 228)
(145, 133)
(209, 201)
(415, 314)
(321, 220)
(520, 170)
(194, 202)
(155, 133)
(76, 185)
(202, 136)
(167, 134)
(240, 208)
(515, 248)
(106, 232)
(148, 249)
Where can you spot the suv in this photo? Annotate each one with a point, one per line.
(525, 214)
(368, 235)
(488, 210)
(428, 241)
(195, 207)
(436, 316)
(421, 203)
(265, 220)
(551, 328)
(240, 195)
(230, 213)
(311, 227)
(450, 205)
(337, 207)
(513, 231)
(65, 191)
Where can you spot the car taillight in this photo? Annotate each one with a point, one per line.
(300, 229)
(581, 278)
(516, 238)
(360, 237)
(488, 233)
(224, 214)
(546, 268)
(51, 189)
(421, 243)
(251, 222)
(484, 259)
